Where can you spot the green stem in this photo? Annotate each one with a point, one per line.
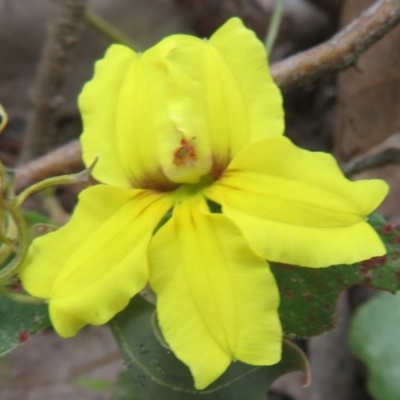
(107, 30)
(23, 243)
(5, 253)
(20, 297)
(9, 230)
(18, 232)
(81, 177)
(274, 25)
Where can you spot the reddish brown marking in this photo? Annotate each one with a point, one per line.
(185, 153)
(365, 269)
(373, 262)
(380, 261)
(367, 266)
(23, 336)
(17, 287)
(388, 228)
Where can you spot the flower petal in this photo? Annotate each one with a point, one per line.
(122, 108)
(183, 143)
(98, 106)
(308, 246)
(219, 97)
(217, 300)
(244, 102)
(296, 206)
(165, 116)
(91, 268)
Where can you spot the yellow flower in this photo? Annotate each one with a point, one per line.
(195, 126)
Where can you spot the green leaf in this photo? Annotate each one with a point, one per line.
(374, 338)
(158, 374)
(309, 295)
(19, 321)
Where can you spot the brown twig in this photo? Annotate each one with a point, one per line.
(64, 160)
(388, 156)
(338, 53)
(343, 50)
(67, 159)
(53, 68)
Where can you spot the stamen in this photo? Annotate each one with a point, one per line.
(185, 154)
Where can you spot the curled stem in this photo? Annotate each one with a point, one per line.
(21, 245)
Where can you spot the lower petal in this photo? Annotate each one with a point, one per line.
(275, 180)
(217, 300)
(91, 268)
(296, 207)
(308, 246)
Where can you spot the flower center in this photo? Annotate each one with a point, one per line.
(185, 158)
(185, 154)
(192, 189)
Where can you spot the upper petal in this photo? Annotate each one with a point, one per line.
(183, 144)
(98, 107)
(178, 110)
(220, 97)
(244, 102)
(90, 268)
(286, 199)
(216, 300)
(123, 108)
